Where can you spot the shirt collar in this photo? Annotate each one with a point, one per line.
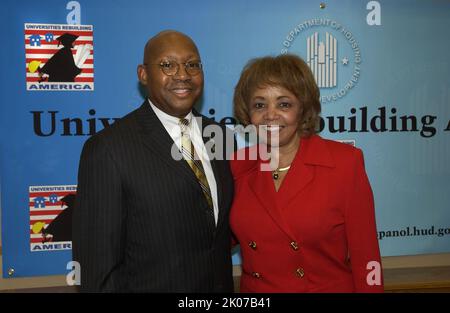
(168, 119)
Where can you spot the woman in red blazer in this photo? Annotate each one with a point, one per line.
(309, 224)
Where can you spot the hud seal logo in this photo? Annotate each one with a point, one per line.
(59, 57)
(332, 53)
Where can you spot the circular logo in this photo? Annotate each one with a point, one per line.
(331, 52)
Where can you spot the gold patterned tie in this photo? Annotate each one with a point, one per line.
(190, 156)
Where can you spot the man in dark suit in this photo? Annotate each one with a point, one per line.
(146, 220)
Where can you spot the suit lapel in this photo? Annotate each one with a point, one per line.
(312, 152)
(299, 177)
(158, 141)
(260, 182)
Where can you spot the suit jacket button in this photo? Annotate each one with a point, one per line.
(300, 272)
(252, 245)
(294, 245)
(256, 275)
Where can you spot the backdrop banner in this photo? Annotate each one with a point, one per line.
(69, 70)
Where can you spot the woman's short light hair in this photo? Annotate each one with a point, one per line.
(287, 71)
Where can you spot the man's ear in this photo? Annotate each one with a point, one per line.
(142, 74)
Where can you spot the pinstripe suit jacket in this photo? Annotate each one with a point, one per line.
(140, 222)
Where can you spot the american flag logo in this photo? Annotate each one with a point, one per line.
(51, 217)
(59, 57)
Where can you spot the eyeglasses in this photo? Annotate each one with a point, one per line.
(171, 68)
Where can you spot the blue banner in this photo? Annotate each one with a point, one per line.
(382, 68)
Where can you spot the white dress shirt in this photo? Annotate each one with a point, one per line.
(172, 126)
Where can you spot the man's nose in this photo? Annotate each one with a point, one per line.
(182, 74)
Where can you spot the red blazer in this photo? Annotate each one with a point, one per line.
(317, 233)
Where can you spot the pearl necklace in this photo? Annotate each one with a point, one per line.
(275, 173)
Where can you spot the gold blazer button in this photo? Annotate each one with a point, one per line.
(300, 272)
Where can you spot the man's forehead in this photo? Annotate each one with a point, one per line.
(171, 44)
(176, 55)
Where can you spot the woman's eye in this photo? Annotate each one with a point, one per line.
(285, 105)
(259, 105)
